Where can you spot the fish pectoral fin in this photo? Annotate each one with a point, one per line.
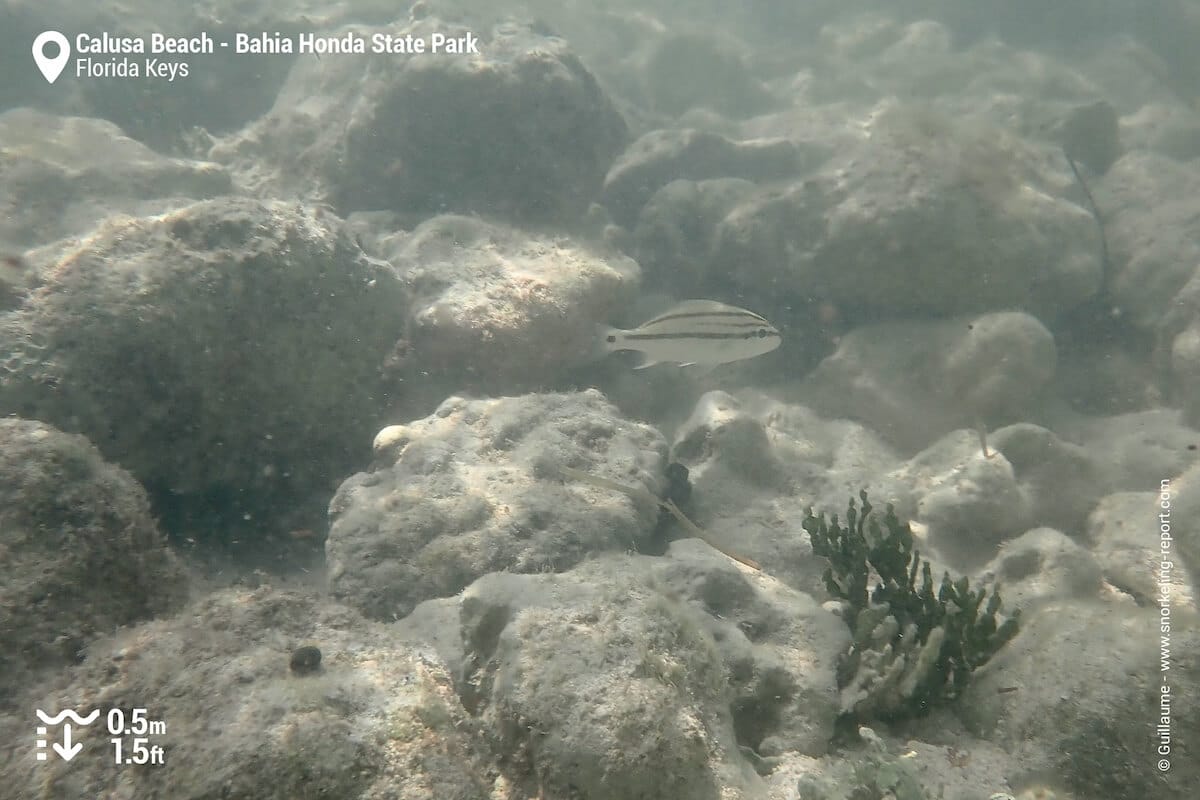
(646, 363)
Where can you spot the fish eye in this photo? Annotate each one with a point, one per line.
(610, 338)
(762, 333)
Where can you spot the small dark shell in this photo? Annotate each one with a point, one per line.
(306, 660)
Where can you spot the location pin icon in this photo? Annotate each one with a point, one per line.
(51, 67)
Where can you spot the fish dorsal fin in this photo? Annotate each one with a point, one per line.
(694, 307)
(701, 307)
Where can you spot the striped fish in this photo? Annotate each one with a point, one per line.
(696, 332)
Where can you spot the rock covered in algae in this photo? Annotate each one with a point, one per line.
(476, 487)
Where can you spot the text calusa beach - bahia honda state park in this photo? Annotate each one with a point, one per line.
(462, 43)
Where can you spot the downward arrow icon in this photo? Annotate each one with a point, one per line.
(66, 749)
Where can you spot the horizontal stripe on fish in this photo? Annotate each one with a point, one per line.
(748, 316)
(697, 332)
(760, 333)
(703, 324)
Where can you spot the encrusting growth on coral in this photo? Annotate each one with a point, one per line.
(913, 647)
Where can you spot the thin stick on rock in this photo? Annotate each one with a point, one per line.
(669, 505)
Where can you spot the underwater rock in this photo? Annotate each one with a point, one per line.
(1106, 377)
(1168, 128)
(475, 488)
(917, 380)
(1062, 481)
(1149, 204)
(1123, 533)
(615, 692)
(17, 278)
(1134, 451)
(1184, 500)
(660, 157)
(884, 376)
(898, 766)
(1088, 728)
(1185, 371)
(380, 720)
(636, 676)
(751, 456)
(499, 310)
(230, 346)
(924, 216)
(997, 363)
(606, 634)
(520, 131)
(66, 175)
(1041, 566)
(689, 70)
(674, 237)
(779, 645)
(871, 39)
(969, 502)
(79, 550)
(729, 434)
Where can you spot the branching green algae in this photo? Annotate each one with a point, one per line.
(913, 647)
